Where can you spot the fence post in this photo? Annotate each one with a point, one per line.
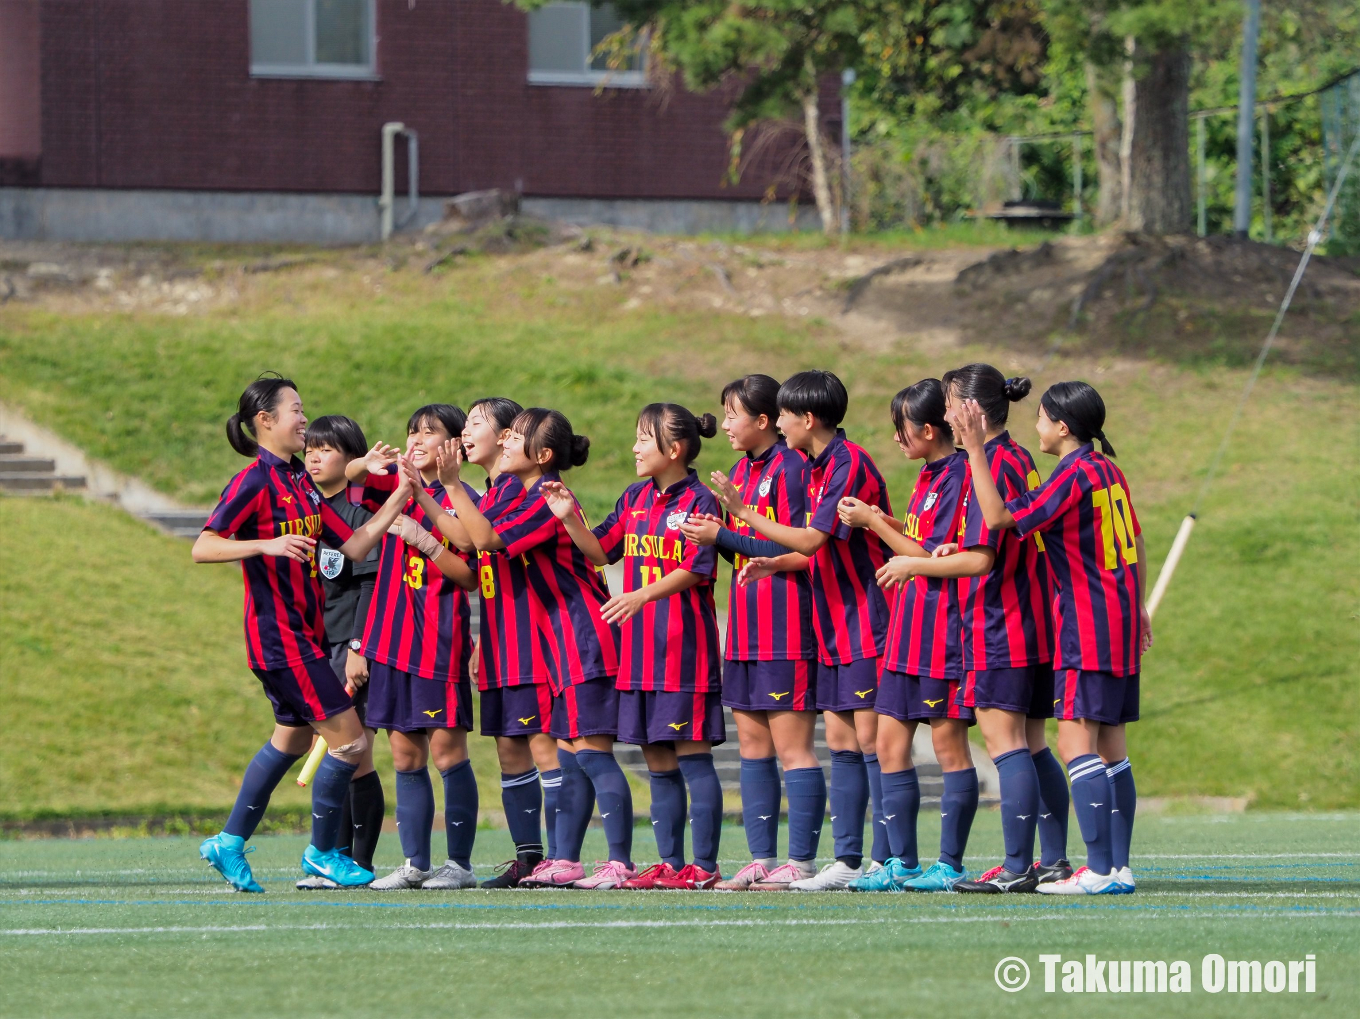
(1076, 172)
(1199, 175)
(1265, 170)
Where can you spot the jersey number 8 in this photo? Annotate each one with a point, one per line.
(488, 578)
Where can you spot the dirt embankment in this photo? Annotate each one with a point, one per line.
(1182, 298)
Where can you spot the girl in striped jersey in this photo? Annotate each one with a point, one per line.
(419, 640)
(511, 667)
(1094, 547)
(669, 680)
(923, 666)
(569, 636)
(769, 677)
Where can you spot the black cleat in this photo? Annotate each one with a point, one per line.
(998, 881)
(1060, 871)
(513, 871)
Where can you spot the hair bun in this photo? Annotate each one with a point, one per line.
(1017, 388)
(580, 450)
(708, 425)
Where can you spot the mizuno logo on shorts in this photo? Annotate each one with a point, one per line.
(526, 721)
(776, 696)
(432, 713)
(677, 726)
(931, 704)
(861, 694)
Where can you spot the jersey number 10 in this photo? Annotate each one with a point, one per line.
(1116, 525)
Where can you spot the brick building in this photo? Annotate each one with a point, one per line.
(262, 119)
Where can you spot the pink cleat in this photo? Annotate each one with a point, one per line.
(554, 874)
(744, 878)
(779, 879)
(611, 874)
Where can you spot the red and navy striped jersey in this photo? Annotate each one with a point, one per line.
(285, 605)
(672, 644)
(923, 638)
(771, 620)
(1006, 614)
(566, 592)
(419, 620)
(509, 652)
(850, 611)
(1089, 527)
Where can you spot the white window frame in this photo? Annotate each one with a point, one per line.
(591, 78)
(311, 69)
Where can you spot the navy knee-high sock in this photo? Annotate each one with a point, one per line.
(1054, 809)
(901, 807)
(705, 808)
(552, 784)
(760, 806)
(1091, 800)
(1019, 807)
(806, 791)
(460, 812)
(575, 804)
(1124, 796)
(522, 800)
(614, 799)
(330, 789)
(849, 799)
(263, 774)
(668, 816)
(879, 850)
(367, 807)
(957, 807)
(415, 815)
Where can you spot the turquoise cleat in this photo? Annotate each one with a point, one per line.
(888, 878)
(939, 877)
(335, 866)
(227, 854)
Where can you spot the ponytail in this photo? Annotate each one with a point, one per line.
(1079, 406)
(992, 390)
(260, 397)
(673, 424)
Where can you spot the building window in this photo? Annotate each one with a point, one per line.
(312, 38)
(562, 41)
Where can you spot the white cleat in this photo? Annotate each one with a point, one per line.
(1125, 876)
(1085, 882)
(834, 877)
(313, 883)
(402, 879)
(449, 877)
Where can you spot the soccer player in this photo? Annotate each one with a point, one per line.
(275, 515)
(418, 637)
(669, 680)
(568, 596)
(769, 677)
(1095, 550)
(923, 666)
(332, 442)
(850, 611)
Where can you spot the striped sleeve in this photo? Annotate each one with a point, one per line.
(1042, 508)
(611, 529)
(335, 531)
(239, 503)
(702, 559)
(377, 487)
(525, 523)
(838, 485)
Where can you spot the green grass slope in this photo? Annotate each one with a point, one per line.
(1253, 688)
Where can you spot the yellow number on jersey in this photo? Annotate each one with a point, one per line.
(415, 572)
(1116, 525)
(1031, 483)
(488, 577)
(651, 575)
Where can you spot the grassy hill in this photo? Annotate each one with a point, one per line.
(1253, 687)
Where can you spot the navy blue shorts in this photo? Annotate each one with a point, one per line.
(524, 710)
(339, 657)
(770, 686)
(304, 693)
(1027, 690)
(404, 702)
(661, 716)
(909, 698)
(847, 687)
(586, 709)
(1095, 696)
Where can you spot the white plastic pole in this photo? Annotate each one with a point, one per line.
(390, 130)
(313, 762)
(1169, 567)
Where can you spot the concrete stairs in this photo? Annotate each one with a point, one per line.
(181, 523)
(21, 474)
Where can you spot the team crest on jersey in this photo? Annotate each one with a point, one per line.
(316, 499)
(930, 500)
(765, 486)
(674, 521)
(332, 562)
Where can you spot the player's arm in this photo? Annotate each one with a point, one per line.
(972, 562)
(1145, 620)
(625, 606)
(857, 513)
(211, 547)
(379, 458)
(563, 505)
(761, 567)
(970, 430)
(806, 540)
(367, 535)
(450, 564)
(441, 518)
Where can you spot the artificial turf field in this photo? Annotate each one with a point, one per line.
(139, 926)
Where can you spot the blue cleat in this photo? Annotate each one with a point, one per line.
(227, 854)
(887, 878)
(335, 866)
(939, 877)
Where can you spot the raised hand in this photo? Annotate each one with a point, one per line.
(380, 457)
(290, 546)
(559, 499)
(448, 459)
(970, 425)
(726, 492)
(410, 476)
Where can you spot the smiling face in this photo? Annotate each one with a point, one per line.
(745, 431)
(422, 443)
(326, 465)
(482, 441)
(648, 457)
(797, 429)
(1051, 433)
(286, 426)
(514, 460)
